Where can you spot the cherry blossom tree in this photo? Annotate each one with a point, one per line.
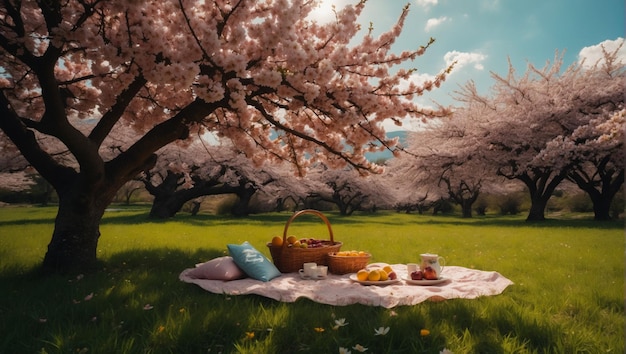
(444, 161)
(595, 154)
(18, 176)
(198, 170)
(16, 181)
(260, 73)
(440, 159)
(409, 191)
(349, 191)
(524, 114)
(14, 172)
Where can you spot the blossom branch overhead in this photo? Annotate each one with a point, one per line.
(227, 53)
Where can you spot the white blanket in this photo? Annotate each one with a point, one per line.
(340, 290)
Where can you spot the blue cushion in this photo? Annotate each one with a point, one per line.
(253, 262)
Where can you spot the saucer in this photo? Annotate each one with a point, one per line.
(308, 277)
(425, 281)
(354, 278)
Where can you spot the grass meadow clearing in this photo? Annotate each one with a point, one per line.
(568, 295)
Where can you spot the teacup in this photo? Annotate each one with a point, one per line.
(321, 271)
(412, 267)
(310, 269)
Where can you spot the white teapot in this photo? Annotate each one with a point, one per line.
(431, 261)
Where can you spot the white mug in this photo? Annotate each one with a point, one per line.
(322, 271)
(412, 267)
(310, 269)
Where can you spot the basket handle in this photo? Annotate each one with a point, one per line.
(303, 212)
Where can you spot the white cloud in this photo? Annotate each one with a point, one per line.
(490, 5)
(592, 54)
(426, 3)
(434, 22)
(417, 78)
(462, 59)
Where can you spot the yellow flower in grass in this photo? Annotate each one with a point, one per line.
(249, 335)
(161, 329)
(424, 332)
(319, 329)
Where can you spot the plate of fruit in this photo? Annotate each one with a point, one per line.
(375, 276)
(425, 277)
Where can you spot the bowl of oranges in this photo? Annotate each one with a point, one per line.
(344, 262)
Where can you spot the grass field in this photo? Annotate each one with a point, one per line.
(568, 295)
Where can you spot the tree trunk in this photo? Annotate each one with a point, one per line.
(601, 207)
(195, 208)
(242, 205)
(169, 198)
(464, 194)
(466, 203)
(537, 209)
(541, 185)
(602, 191)
(76, 232)
(165, 208)
(466, 208)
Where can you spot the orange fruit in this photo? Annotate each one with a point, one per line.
(374, 275)
(384, 275)
(387, 269)
(291, 239)
(296, 243)
(362, 275)
(277, 241)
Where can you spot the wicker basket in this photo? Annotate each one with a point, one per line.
(346, 264)
(290, 259)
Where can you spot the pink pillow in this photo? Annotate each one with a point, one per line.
(221, 268)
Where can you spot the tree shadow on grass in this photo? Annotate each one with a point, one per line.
(40, 221)
(140, 215)
(516, 222)
(382, 218)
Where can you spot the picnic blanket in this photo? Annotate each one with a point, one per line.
(340, 290)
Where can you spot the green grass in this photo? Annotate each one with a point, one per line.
(568, 295)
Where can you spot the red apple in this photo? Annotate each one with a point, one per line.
(392, 276)
(430, 274)
(417, 275)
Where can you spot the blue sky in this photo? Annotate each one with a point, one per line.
(482, 34)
